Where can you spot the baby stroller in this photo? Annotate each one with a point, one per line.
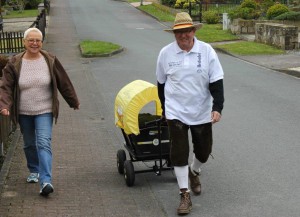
(146, 135)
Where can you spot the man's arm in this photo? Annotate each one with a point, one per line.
(161, 95)
(217, 91)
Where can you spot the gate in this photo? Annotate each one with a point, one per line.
(195, 11)
(197, 8)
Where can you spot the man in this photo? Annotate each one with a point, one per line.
(190, 88)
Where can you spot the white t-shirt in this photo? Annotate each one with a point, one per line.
(187, 76)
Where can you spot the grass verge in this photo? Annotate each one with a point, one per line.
(91, 48)
(158, 13)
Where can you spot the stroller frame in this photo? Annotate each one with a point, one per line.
(151, 145)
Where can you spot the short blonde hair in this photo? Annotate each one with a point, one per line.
(32, 30)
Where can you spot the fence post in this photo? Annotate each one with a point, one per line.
(6, 128)
(41, 22)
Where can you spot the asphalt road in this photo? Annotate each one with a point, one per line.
(255, 170)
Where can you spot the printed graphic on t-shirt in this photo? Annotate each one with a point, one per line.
(175, 64)
(199, 63)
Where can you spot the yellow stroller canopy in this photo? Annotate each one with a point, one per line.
(130, 100)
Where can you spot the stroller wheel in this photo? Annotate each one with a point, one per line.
(129, 173)
(121, 158)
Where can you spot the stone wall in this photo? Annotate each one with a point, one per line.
(279, 35)
(241, 26)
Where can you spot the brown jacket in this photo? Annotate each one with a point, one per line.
(10, 91)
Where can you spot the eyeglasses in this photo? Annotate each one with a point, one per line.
(178, 31)
(31, 40)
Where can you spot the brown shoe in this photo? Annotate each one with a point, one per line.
(185, 205)
(195, 182)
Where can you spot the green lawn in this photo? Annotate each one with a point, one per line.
(23, 14)
(250, 48)
(214, 33)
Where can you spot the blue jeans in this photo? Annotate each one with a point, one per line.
(37, 134)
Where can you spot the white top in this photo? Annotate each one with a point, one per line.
(35, 87)
(187, 76)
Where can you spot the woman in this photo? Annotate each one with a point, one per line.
(29, 94)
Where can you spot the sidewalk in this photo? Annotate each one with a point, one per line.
(85, 177)
(80, 138)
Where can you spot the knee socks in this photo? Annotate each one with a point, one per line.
(182, 176)
(196, 164)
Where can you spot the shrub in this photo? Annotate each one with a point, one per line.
(247, 10)
(249, 4)
(184, 3)
(291, 15)
(32, 4)
(265, 5)
(211, 17)
(276, 10)
(168, 2)
(244, 13)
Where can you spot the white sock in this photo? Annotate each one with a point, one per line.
(196, 164)
(182, 175)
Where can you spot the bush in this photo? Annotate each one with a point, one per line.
(168, 2)
(247, 10)
(184, 3)
(249, 4)
(265, 5)
(32, 4)
(211, 17)
(244, 13)
(276, 10)
(291, 15)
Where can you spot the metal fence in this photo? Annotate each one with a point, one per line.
(41, 22)
(11, 42)
(196, 9)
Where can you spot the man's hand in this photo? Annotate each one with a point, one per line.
(4, 112)
(215, 117)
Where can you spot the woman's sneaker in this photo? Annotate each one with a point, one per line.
(46, 189)
(33, 178)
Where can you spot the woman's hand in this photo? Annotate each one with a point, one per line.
(77, 107)
(4, 112)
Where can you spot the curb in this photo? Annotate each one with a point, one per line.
(291, 72)
(8, 158)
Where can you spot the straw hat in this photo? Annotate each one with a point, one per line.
(183, 21)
